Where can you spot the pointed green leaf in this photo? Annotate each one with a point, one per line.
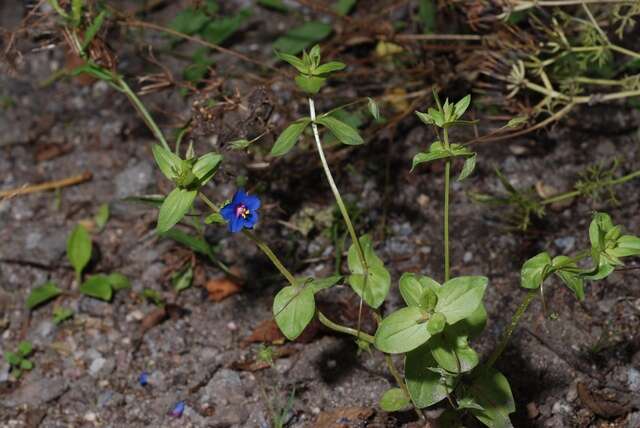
(317, 285)
(343, 132)
(294, 61)
(452, 351)
(373, 108)
(467, 169)
(491, 392)
(394, 400)
(310, 84)
(293, 309)
(426, 386)
(462, 106)
(300, 38)
(102, 216)
(169, 163)
(79, 248)
(459, 297)
(42, 294)
(174, 207)
(535, 271)
(402, 331)
(375, 286)
(25, 348)
(206, 166)
(329, 67)
(289, 137)
(97, 286)
(118, 281)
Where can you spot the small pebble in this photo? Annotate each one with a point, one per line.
(468, 256)
(90, 417)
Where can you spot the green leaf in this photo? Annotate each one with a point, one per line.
(343, 132)
(189, 21)
(535, 271)
(402, 331)
(102, 216)
(79, 248)
(300, 38)
(182, 279)
(293, 309)
(169, 163)
(459, 297)
(375, 286)
(118, 281)
(12, 358)
(343, 7)
(25, 348)
(97, 286)
(467, 169)
(206, 166)
(93, 29)
(427, 12)
(195, 243)
(42, 294)
(219, 30)
(373, 108)
(94, 71)
(289, 137)
(516, 122)
(436, 323)
(491, 392)
(60, 314)
(294, 61)
(426, 386)
(329, 67)
(16, 373)
(626, 245)
(462, 106)
(452, 351)
(567, 270)
(412, 287)
(26, 365)
(239, 144)
(174, 207)
(394, 400)
(277, 5)
(215, 218)
(317, 285)
(199, 67)
(154, 296)
(309, 84)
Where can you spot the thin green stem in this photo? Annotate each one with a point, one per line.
(574, 193)
(341, 206)
(344, 329)
(336, 193)
(148, 119)
(270, 254)
(447, 176)
(401, 383)
(512, 326)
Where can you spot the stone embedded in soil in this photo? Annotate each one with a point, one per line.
(35, 393)
(135, 180)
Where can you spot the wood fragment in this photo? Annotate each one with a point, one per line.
(49, 185)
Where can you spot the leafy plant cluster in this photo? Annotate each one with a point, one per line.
(433, 331)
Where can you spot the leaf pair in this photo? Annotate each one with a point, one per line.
(312, 73)
(446, 115)
(103, 286)
(410, 327)
(371, 282)
(188, 175)
(437, 150)
(346, 134)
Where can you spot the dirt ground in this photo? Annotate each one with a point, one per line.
(570, 364)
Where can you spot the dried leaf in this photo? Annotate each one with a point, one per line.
(266, 331)
(343, 417)
(221, 288)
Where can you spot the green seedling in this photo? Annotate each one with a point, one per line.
(18, 360)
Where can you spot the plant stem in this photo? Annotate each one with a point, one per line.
(512, 325)
(574, 193)
(332, 184)
(142, 110)
(447, 174)
(341, 206)
(270, 254)
(344, 329)
(396, 375)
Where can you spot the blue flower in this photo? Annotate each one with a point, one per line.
(241, 212)
(177, 410)
(143, 379)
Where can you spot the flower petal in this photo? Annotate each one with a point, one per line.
(239, 197)
(228, 212)
(236, 224)
(252, 202)
(251, 220)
